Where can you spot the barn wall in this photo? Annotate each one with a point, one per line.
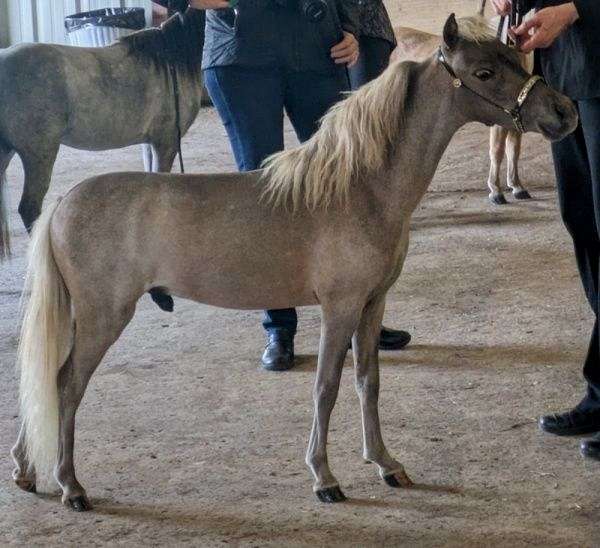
(43, 20)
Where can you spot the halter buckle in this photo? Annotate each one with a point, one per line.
(457, 82)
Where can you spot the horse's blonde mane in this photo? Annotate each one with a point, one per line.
(354, 139)
(476, 29)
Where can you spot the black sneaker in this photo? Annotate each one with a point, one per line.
(576, 422)
(590, 449)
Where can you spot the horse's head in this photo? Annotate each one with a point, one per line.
(493, 88)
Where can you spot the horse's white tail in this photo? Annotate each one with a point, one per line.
(4, 228)
(46, 339)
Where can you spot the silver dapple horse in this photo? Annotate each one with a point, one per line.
(330, 218)
(96, 99)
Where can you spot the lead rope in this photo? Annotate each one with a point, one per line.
(175, 80)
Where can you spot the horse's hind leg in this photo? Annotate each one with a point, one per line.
(513, 152)
(339, 321)
(147, 157)
(38, 171)
(497, 147)
(94, 334)
(366, 362)
(24, 473)
(163, 157)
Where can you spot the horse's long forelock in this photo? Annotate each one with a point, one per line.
(355, 139)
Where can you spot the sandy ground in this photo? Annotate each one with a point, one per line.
(183, 439)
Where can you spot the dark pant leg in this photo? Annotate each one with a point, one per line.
(309, 95)
(589, 112)
(373, 59)
(577, 206)
(250, 104)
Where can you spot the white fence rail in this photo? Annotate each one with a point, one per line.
(43, 20)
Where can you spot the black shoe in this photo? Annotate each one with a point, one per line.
(279, 352)
(575, 422)
(393, 339)
(590, 449)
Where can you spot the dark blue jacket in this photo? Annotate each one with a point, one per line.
(274, 34)
(572, 63)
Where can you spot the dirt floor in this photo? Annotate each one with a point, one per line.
(183, 439)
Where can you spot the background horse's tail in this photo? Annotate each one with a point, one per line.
(5, 157)
(46, 339)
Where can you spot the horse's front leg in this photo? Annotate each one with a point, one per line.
(497, 148)
(366, 362)
(339, 320)
(513, 152)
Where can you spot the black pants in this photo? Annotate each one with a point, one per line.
(373, 59)
(577, 166)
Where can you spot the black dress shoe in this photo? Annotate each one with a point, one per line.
(279, 352)
(575, 422)
(590, 449)
(393, 339)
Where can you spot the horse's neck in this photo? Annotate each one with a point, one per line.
(429, 123)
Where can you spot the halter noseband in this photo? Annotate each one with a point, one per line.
(515, 112)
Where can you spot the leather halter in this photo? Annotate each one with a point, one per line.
(515, 112)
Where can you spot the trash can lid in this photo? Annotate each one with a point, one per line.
(127, 18)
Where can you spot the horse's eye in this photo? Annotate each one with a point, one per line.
(484, 74)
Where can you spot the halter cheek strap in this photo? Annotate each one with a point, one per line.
(515, 112)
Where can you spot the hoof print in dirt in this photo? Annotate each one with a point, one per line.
(331, 494)
(498, 199)
(522, 195)
(80, 504)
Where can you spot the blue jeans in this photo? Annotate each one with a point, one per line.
(251, 102)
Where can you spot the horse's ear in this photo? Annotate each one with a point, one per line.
(450, 33)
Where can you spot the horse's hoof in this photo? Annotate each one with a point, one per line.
(398, 479)
(498, 199)
(522, 195)
(80, 504)
(26, 484)
(331, 494)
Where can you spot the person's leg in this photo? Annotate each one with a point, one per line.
(308, 97)
(250, 104)
(373, 59)
(577, 200)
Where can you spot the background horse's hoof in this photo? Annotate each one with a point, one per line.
(522, 195)
(398, 479)
(498, 199)
(26, 484)
(331, 494)
(80, 504)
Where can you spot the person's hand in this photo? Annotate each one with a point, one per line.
(544, 27)
(209, 4)
(501, 7)
(346, 51)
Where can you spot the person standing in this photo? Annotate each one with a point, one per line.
(264, 57)
(567, 36)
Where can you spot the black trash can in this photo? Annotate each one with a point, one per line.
(102, 27)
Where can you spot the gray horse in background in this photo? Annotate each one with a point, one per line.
(96, 99)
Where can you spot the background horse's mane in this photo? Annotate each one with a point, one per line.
(355, 138)
(179, 40)
(476, 29)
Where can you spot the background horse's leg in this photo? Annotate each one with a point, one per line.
(23, 474)
(38, 171)
(94, 334)
(366, 362)
(339, 320)
(147, 157)
(513, 152)
(163, 157)
(497, 147)
(6, 155)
